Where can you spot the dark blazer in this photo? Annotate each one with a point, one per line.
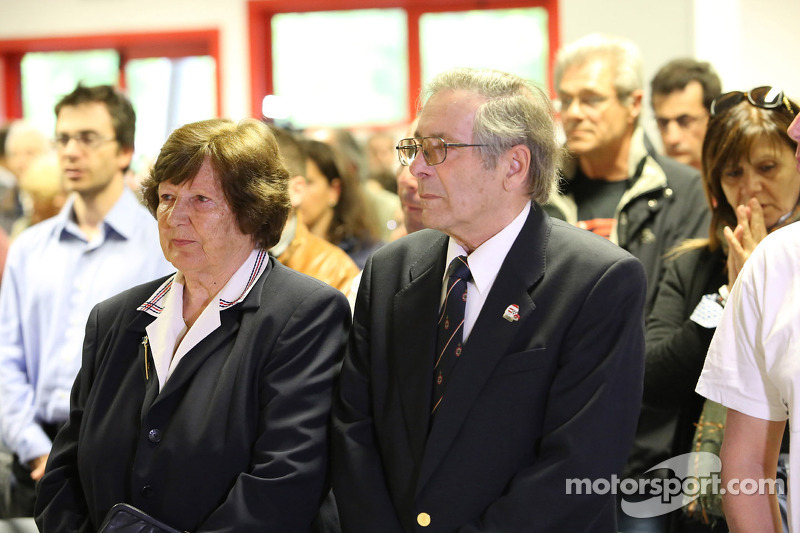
(236, 440)
(532, 403)
(676, 349)
(675, 352)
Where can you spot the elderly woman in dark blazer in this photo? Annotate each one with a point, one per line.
(204, 397)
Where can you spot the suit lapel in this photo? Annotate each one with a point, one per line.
(149, 379)
(195, 357)
(492, 337)
(230, 321)
(414, 342)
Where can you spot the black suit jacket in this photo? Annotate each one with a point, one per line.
(532, 403)
(237, 438)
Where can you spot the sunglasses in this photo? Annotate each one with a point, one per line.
(765, 97)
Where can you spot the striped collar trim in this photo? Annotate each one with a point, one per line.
(236, 290)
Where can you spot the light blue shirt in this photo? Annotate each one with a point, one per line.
(53, 278)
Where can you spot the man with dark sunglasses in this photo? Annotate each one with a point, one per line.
(474, 397)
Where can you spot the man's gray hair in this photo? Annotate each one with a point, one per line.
(624, 54)
(516, 112)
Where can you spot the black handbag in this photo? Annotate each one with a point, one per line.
(124, 518)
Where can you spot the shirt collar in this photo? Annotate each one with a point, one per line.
(486, 260)
(234, 291)
(122, 218)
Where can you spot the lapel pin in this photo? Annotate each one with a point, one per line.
(145, 342)
(512, 313)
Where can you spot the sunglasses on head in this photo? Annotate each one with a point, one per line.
(765, 97)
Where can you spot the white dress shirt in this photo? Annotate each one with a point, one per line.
(484, 264)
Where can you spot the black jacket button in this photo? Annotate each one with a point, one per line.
(154, 435)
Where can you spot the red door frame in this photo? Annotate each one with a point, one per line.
(260, 12)
(128, 45)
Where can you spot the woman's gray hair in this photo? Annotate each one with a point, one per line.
(516, 112)
(624, 54)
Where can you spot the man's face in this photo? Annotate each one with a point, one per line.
(458, 196)
(381, 155)
(594, 118)
(682, 120)
(409, 199)
(408, 192)
(23, 149)
(89, 169)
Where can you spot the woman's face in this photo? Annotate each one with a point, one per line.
(320, 196)
(769, 174)
(198, 231)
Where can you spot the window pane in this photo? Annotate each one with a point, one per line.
(168, 93)
(165, 93)
(512, 40)
(342, 68)
(47, 76)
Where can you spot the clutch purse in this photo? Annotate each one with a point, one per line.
(124, 518)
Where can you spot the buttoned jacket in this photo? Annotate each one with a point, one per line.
(237, 439)
(535, 401)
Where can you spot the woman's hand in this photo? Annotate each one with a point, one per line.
(750, 230)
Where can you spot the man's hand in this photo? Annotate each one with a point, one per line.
(37, 467)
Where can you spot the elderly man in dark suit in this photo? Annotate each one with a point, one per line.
(470, 396)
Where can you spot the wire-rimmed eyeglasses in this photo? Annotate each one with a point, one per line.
(434, 149)
(765, 97)
(88, 140)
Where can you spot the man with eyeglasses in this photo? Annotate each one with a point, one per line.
(471, 395)
(682, 92)
(615, 184)
(102, 242)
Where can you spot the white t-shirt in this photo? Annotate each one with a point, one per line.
(753, 362)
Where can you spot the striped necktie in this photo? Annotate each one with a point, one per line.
(451, 328)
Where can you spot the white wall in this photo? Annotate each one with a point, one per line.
(751, 42)
(32, 18)
(663, 30)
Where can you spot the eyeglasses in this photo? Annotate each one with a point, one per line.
(434, 149)
(765, 97)
(684, 122)
(590, 101)
(88, 140)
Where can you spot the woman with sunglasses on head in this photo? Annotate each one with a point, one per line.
(752, 185)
